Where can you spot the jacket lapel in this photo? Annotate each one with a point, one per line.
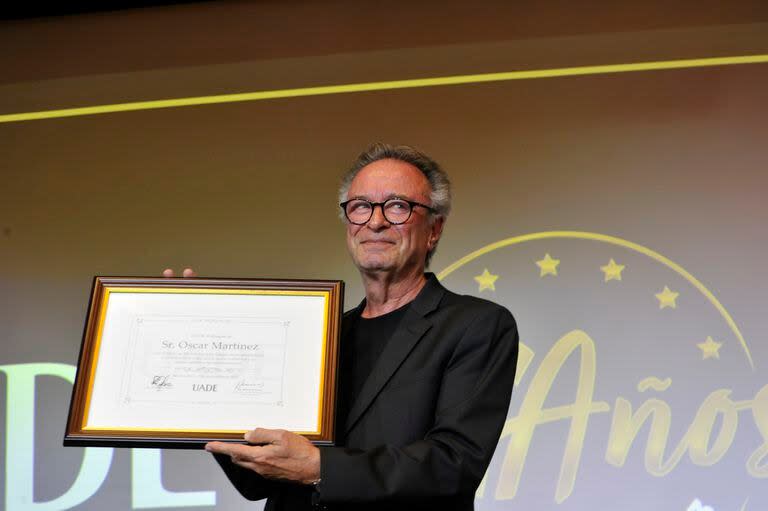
(410, 331)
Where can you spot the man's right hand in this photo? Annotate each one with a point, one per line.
(188, 272)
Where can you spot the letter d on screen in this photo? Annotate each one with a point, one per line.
(20, 444)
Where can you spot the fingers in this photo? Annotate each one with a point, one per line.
(290, 456)
(188, 272)
(251, 457)
(236, 451)
(266, 436)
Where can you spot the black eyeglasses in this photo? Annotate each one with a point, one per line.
(396, 211)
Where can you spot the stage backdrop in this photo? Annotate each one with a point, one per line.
(610, 190)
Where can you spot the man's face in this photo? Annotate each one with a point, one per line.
(379, 246)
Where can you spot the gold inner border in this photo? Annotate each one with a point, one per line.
(108, 290)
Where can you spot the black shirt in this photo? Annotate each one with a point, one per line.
(366, 341)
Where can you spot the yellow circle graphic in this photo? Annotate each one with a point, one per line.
(613, 240)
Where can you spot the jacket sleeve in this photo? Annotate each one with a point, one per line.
(451, 459)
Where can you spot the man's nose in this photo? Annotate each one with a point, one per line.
(378, 220)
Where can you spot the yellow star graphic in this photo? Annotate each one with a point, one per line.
(486, 280)
(667, 298)
(612, 270)
(709, 348)
(547, 265)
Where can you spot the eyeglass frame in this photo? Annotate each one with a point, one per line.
(411, 204)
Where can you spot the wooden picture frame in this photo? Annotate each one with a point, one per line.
(179, 362)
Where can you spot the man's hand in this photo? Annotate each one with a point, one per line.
(279, 455)
(188, 272)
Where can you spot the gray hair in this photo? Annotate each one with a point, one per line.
(440, 194)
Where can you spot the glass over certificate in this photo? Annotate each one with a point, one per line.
(180, 362)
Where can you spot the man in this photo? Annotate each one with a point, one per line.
(425, 375)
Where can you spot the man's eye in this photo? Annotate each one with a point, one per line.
(359, 206)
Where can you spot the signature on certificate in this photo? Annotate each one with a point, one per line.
(243, 387)
(161, 382)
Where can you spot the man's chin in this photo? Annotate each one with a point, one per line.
(371, 263)
(375, 266)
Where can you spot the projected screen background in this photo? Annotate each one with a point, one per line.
(620, 216)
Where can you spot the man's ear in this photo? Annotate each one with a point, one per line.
(436, 230)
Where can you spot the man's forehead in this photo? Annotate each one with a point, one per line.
(389, 178)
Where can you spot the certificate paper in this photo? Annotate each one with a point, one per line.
(182, 364)
(185, 359)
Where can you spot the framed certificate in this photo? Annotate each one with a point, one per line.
(171, 362)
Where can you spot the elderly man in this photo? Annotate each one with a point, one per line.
(425, 374)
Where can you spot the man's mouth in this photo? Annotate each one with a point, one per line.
(377, 242)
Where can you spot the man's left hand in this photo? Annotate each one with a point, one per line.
(278, 454)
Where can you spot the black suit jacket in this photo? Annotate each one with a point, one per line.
(426, 422)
